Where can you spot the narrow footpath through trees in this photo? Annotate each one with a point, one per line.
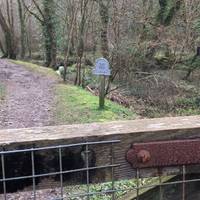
(28, 98)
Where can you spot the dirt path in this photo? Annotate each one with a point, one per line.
(29, 97)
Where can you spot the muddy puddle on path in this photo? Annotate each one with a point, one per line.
(29, 97)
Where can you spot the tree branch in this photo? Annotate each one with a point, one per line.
(32, 13)
(38, 7)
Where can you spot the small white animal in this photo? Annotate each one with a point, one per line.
(61, 71)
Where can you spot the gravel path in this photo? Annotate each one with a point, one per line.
(51, 194)
(29, 97)
(28, 103)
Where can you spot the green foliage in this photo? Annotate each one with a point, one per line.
(193, 60)
(167, 11)
(188, 106)
(192, 102)
(197, 25)
(103, 187)
(49, 7)
(187, 112)
(191, 64)
(75, 105)
(121, 185)
(126, 189)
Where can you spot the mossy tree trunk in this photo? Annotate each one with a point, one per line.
(168, 9)
(49, 29)
(47, 18)
(23, 28)
(104, 15)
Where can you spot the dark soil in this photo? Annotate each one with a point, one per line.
(29, 97)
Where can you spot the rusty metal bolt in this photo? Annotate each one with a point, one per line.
(143, 156)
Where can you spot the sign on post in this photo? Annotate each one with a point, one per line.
(102, 69)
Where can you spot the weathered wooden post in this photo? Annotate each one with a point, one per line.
(102, 69)
(102, 92)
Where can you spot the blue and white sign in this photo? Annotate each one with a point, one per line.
(102, 67)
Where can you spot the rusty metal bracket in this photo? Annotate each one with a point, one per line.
(164, 153)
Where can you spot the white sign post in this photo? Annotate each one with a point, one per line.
(102, 69)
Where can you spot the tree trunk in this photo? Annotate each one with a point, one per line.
(23, 29)
(168, 9)
(78, 79)
(10, 41)
(50, 33)
(104, 14)
(80, 49)
(29, 37)
(2, 49)
(10, 45)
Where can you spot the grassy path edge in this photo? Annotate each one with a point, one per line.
(75, 105)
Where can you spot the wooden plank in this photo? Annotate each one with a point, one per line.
(148, 129)
(127, 132)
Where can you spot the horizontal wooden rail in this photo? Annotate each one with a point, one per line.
(127, 132)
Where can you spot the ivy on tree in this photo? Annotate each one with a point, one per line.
(168, 9)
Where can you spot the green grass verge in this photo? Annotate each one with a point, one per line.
(2, 92)
(36, 68)
(75, 105)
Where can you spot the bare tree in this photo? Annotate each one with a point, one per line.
(46, 17)
(22, 27)
(81, 34)
(7, 25)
